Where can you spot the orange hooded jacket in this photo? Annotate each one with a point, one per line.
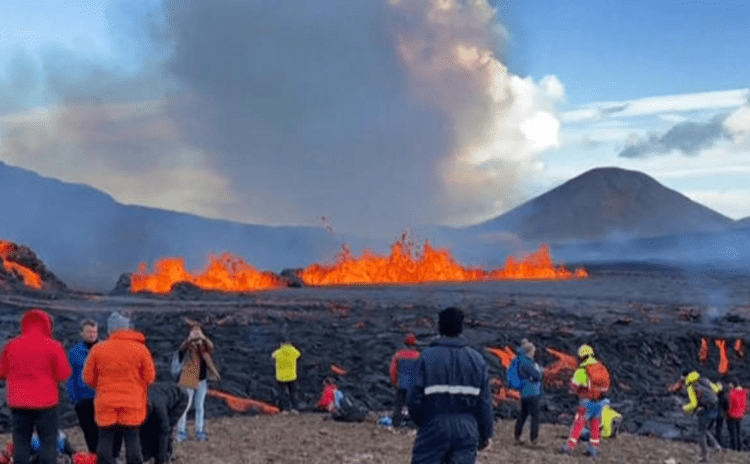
(34, 363)
(120, 369)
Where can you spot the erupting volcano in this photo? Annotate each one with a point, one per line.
(405, 265)
(225, 273)
(20, 269)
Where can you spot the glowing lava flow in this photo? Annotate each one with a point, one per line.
(30, 278)
(226, 273)
(431, 265)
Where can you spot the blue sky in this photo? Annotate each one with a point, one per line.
(263, 112)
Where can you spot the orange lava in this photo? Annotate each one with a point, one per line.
(704, 351)
(226, 273)
(505, 355)
(723, 356)
(30, 278)
(739, 348)
(404, 265)
(558, 373)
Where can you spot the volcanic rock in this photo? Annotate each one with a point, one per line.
(12, 281)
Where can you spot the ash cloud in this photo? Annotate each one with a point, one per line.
(687, 137)
(376, 114)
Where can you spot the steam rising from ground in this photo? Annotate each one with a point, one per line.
(376, 114)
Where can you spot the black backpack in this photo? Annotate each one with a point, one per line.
(707, 397)
(350, 410)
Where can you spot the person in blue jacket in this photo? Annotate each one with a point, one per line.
(81, 395)
(450, 400)
(531, 375)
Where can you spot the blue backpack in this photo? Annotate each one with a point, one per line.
(407, 372)
(514, 380)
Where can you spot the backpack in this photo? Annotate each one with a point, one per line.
(706, 395)
(349, 410)
(599, 378)
(514, 378)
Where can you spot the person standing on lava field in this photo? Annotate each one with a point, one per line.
(120, 369)
(402, 369)
(287, 356)
(531, 375)
(737, 410)
(590, 382)
(33, 364)
(704, 402)
(450, 400)
(198, 367)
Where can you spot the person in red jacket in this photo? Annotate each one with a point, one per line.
(120, 370)
(401, 375)
(33, 364)
(735, 414)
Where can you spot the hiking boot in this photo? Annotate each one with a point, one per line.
(566, 450)
(202, 436)
(592, 451)
(181, 436)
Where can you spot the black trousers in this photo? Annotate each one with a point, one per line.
(24, 423)
(291, 391)
(398, 406)
(85, 413)
(735, 433)
(529, 407)
(132, 444)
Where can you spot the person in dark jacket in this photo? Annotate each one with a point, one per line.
(531, 392)
(450, 400)
(33, 364)
(166, 403)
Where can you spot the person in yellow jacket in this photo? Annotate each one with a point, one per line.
(704, 403)
(287, 356)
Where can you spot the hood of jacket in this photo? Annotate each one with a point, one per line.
(128, 334)
(37, 321)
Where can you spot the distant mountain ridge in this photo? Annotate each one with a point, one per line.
(88, 239)
(606, 203)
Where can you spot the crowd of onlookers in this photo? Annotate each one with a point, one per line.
(446, 388)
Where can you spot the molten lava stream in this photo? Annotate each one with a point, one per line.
(404, 265)
(30, 277)
(226, 273)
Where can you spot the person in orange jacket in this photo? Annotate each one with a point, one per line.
(120, 369)
(402, 361)
(33, 364)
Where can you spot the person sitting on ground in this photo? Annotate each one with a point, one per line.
(287, 356)
(704, 402)
(198, 367)
(328, 399)
(120, 369)
(403, 365)
(735, 414)
(166, 404)
(531, 375)
(32, 365)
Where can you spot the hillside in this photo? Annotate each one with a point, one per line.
(88, 239)
(602, 204)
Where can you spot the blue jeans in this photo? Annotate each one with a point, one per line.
(200, 398)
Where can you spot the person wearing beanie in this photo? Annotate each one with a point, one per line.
(450, 400)
(120, 370)
(403, 364)
(32, 365)
(531, 375)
